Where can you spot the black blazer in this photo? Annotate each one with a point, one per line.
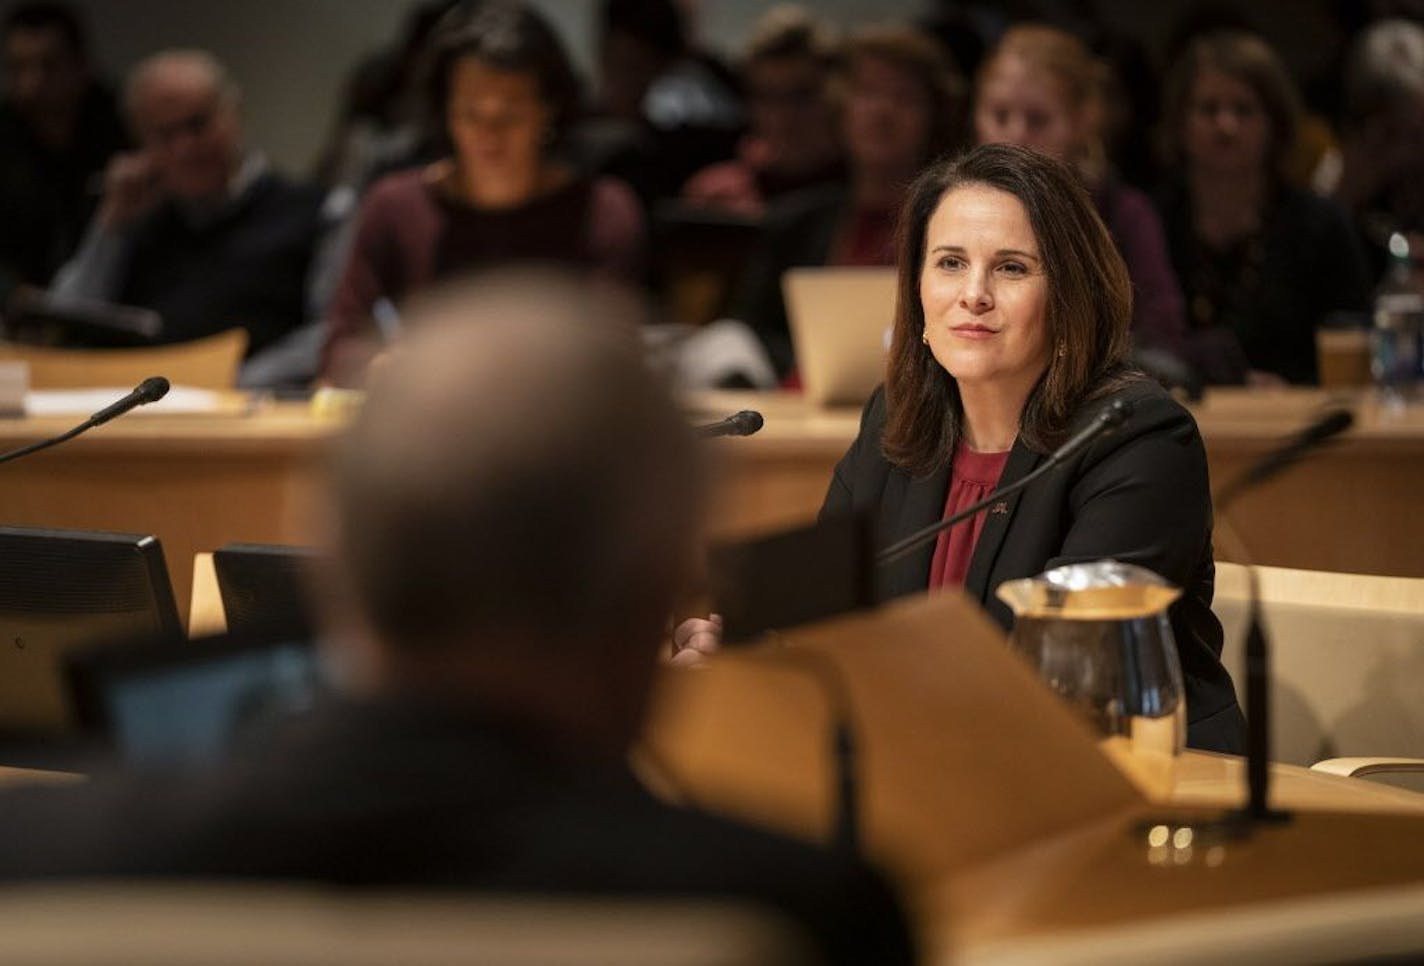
(1139, 495)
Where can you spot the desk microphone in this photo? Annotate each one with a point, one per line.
(744, 423)
(150, 390)
(1112, 416)
(1323, 429)
(1258, 667)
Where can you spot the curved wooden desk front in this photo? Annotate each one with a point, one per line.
(993, 806)
(247, 473)
(254, 474)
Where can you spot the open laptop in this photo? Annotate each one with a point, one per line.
(65, 589)
(841, 319)
(193, 702)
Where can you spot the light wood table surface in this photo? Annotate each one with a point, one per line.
(996, 811)
(195, 481)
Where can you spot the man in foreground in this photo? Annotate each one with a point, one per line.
(513, 513)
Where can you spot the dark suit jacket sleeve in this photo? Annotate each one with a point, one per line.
(1143, 497)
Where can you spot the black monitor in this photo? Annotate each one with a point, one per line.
(264, 587)
(62, 589)
(192, 702)
(793, 577)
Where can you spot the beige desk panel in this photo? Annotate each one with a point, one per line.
(196, 482)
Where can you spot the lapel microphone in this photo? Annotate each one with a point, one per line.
(1109, 418)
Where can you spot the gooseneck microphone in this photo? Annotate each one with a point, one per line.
(744, 423)
(1112, 416)
(150, 390)
(843, 759)
(1331, 424)
(1258, 667)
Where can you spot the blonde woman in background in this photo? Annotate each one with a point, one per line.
(1041, 88)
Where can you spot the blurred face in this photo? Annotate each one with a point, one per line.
(887, 116)
(1226, 127)
(984, 291)
(787, 102)
(496, 120)
(1020, 105)
(43, 74)
(190, 130)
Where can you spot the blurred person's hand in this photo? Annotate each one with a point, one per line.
(1257, 379)
(130, 189)
(695, 639)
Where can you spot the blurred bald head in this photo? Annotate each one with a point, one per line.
(183, 108)
(518, 486)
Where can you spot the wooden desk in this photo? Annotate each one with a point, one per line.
(196, 482)
(1351, 507)
(996, 811)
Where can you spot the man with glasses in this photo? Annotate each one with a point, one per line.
(193, 225)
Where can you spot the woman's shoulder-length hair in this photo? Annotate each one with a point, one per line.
(508, 35)
(1088, 313)
(1243, 57)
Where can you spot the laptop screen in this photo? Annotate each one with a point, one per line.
(195, 702)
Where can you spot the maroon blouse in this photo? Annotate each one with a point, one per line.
(972, 477)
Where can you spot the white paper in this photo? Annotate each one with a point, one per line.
(182, 400)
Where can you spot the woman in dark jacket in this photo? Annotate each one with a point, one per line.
(1262, 264)
(1011, 330)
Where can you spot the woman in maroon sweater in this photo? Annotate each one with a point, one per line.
(502, 83)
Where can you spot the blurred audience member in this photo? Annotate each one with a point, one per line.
(1132, 105)
(961, 27)
(665, 108)
(58, 128)
(514, 512)
(1380, 177)
(792, 143)
(502, 83)
(1040, 88)
(1263, 263)
(901, 103)
(194, 225)
(1314, 141)
(381, 126)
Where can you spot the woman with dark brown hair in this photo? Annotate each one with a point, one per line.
(1262, 263)
(1011, 331)
(502, 93)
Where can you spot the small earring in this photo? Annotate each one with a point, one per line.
(925, 336)
(1062, 350)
